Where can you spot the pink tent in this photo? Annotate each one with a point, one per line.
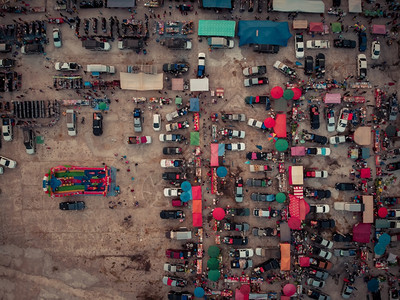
(304, 261)
(332, 98)
(298, 151)
(289, 289)
(362, 233)
(298, 208)
(316, 27)
(365, 173)
(378, 29)
(239, 295)
(214, 155)
(294, 223)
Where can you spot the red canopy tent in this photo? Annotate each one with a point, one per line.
(304, 261)
(218, 213)
(269, 122)
(365, 173)
(294, 223)
(316, 27)
(382, 212)
(297, 93)
(362, 232)
(280, 125)
(276, 92)
(298, 208)
(378, 29)
(197, 209)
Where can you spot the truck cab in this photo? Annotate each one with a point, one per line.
(71, 122)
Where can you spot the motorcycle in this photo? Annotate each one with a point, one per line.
(104, 25)
(95, 25)
(86, 26)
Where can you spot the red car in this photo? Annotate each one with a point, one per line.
(177, 254)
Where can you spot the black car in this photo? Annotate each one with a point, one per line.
(393, 166)
(270, 264)
(345, 186)
(362, 41)
(317, 194)
(235, 240)
(176, 69)
(320, 65)
(339, 43)
(97, 124)
(73, 205)
(7, 63)
(345, 238)
(315, 138)
(173, 176)
(265, 48)
(336, 3)
(172, 214)
(317, 295)
(259, 155)
(314, 116)
(309, 65)
(32, 49)
(172, 295)
(323, 224)
(172, 150)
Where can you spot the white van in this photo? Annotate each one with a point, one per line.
(220, 42)
(71, 122)
(179, 234)
(100, 69)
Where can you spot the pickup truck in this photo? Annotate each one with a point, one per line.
(289, 72)
(255, 71)
(231, 133)
(255, 81)
(136, 140)
(177, 125)
(96, 45)
(318, 44)
(349, 206)
(234, 117)
(237, 212)
(201, 68)
(315, 138)
(258, 100)
(266, 213)
(258, 182)
(137, 120)
(260, 168)
(178, 44)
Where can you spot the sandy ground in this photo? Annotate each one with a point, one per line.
(46, 253)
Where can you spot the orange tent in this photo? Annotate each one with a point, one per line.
(285, 256)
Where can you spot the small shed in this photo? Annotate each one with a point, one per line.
(300, 24)
(199, 85)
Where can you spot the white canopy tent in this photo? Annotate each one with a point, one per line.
(199, 85)
(355, 6)
(141, 81)
(309, 6)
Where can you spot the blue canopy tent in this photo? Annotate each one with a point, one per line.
(263, 32)
(194, 104)
(217, 3)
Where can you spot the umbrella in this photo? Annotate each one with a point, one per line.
(280, 197)
(213, 251)
(269, 122)
(391, 130)
(199, 292)
(214, 275)
(289, 289)
(294, 223)
(272, 137)
(103, 106)
(379, 249)
(276, 92)
(297, 93)
(222, 172)
(213, 263)
(288, 94)
(382, 212)
(185, 197)
(245, 289)
(186, 186)
(384, 239)
(373, 285)
(218, 213)
(259, 147)
(281, 145)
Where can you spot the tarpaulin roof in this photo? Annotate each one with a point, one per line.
(217, 3)
(263, 32)
(196, 193)
(298, 208)
(298, 151)
(362, 135)
(199, 85)
(221, 149)
(378, 29)
(197, 209)
(332, 98)
(362, 233)
(316, 27)
(310, 6)
(141, 81)
(285, 256)
(295, 175)
(336, 27)
(300, 24)
(280, 126)
(177, 84)
(194, 104)
(355, 6)
(368, 213)
(365, 153)
(217, 28)
(304, 261)
(365, 173)
(194, 138)
(121, 3)
(214, 155)
(280, 105)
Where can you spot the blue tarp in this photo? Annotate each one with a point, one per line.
(217, 3)
(194, 104)
(221, 149)
(263, 32)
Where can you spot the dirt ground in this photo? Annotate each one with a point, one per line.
(46, 253)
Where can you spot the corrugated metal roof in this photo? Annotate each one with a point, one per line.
(217, 3)
(217, 28)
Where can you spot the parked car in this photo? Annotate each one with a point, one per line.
(299, 45)
(315, 138)
(259, 155)
(178, 254)
(308, 65)
(233, 117)
(235, 240)
(235, 147)
(171, 138)
(241, 263)
(7, 129)
(7, 63)
(231, 133)
(29, 140)
(393, 166)
(320, 263)
(97, 124)
(393, 213)
(321, 241)
(230, 211)
(255, 71)
(255, 81)
(315, 174)
(94, 45)
(323, 224)
(174, 281)
(173, 177)
(330, 120)
(139, 140)
(315, 282)
(362, 41)
(343, 120)
(318, 44)
(317, 194)
(266, 48)
(57, 38)
(217, 42)
(172, 150)
(361, 66)
(178, 43)
(241, 227)
(172, 192)
(32, 49)
(172, 163)
(137, 120)
(345, 252)
(337, 139)
(316, 273)
(318, 151)
(156, 122)
(258, 182)
(241, 253)
(201, 68)
(172, 214)
(270, 264)
(173, 295)
(320, 65)
(6, 162)
(345, 186)
(266, 213)
(314, 116)
(176, 68)
(256, 124)
(67, 66)
(342, 238)
(72, 205)
(376, 50)
(251, 100)
(340, 43)
(319, 208)
(239, 190)
(262, 232)
(347, 290)
(321, 252)
(317, 295)
(289, 72)
(174, 267)
(262, 197)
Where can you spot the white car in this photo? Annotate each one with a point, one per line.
(67, 66)
(299, 45)
(343, 120)
(172, 192)
(375, 50)
(6, 162)
(7, 130)
(57, 38)
(238, 134)
(337, 139)
(330, 120)
(324, 151)
(255, 123)
(319, 208)
(171, 163)
(157, 122)
(172, 115)
(318, 44)
(235, 146)
(241, 253)
(361, 66)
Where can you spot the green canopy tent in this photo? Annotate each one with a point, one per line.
(213, 251)
(103, 106)
(336, 27)
(214, 275)
(213, 263)
(280, 197)
(178, 101)
(195, 138)
(281, 145)
(288, 94)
